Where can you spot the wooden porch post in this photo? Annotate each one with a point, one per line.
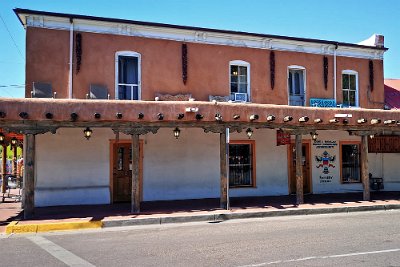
(223, 171)
(14, 161)
(29, 176)
(4, 169)
(299, 171)
(135, 197)
(364, 167)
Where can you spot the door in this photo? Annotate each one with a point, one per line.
(296, 87)
(122, 171)
(306, 168)
(129, 77)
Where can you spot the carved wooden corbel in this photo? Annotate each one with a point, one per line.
(137, 130)
(30, 130)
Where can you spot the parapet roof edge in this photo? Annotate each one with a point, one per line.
(20, 11)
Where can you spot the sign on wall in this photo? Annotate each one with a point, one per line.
(282, 138)
(325, 157)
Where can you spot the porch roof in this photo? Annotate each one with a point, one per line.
(18, 115)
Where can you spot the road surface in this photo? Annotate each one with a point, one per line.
(354, 239)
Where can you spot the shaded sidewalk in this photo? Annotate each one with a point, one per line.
(158, 212)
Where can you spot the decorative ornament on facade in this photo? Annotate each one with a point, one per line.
(326, 72)
(78, 51)
(371, 75)
(184, 63)
(325, 161)
(272, 68)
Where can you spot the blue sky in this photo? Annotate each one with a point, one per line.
(340, 20)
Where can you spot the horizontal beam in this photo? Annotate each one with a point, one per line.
(22, 115)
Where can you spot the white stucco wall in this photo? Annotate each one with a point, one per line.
(72, 170)
(188, 167)
(385, 165)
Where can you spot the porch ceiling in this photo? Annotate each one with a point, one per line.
(19, 114)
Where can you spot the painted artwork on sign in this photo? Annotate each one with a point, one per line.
(325, 162)
(325, 159)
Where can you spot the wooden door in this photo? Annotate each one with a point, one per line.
(122, 171)
(306, 168)
(296, 87)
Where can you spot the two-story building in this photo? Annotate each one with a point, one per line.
(175, 112)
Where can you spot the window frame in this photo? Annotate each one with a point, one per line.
(139, 85)
(341, 143)
(303, 69)
(355, 73)
(240, 63)
(252, 144)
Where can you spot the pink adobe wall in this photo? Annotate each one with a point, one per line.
(208, 68)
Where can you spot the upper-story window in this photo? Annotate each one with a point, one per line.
(239, 77)
(350, 88)
(127, 73)
(296, 85)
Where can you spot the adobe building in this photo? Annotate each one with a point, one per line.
(173, 112)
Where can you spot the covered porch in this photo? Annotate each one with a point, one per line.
(136, 118)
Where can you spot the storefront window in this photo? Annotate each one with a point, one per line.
(351, 163)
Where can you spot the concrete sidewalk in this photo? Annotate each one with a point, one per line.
(160, 212)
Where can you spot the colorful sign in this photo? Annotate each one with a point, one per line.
(282, 138)
(325, 162)
(325, 159)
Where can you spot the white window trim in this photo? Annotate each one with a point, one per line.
(243, 64)
(297, 67)
(353, 72)
(129, 54)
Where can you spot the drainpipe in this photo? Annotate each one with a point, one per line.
(71, 43)
(334, 72)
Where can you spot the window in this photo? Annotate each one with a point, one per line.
(241, 164)
(350, 88)
(296, 85)
(127, 67)
(350, 163)
(239, 77)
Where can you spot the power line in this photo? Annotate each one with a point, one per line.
(15, 44)
(12, 85)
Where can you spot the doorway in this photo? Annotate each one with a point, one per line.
(306, 168)
(121, 170)
(296, 86)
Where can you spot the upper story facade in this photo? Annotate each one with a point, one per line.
(132, 60)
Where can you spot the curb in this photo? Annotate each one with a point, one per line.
(244, 215)
(15, 228)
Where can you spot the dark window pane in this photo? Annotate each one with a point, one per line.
(345, 81)
(352, 82)
(346, 97)
(352, 98)
(297, 83)
(128, 92)
(120, 158)
(234, 70)
(234, 88)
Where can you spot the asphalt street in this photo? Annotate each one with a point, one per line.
(354, 239)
